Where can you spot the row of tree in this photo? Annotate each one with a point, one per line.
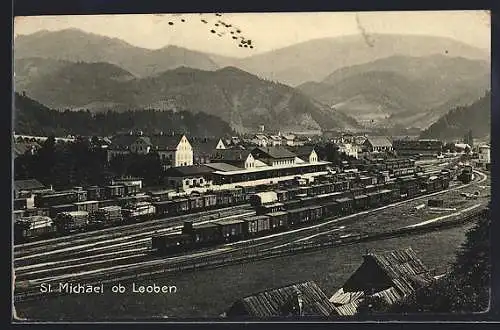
(83, 163)
(32, 118)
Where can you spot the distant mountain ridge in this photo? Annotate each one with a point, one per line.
(403, 90)
(293, 65)
(75, 45)
(457, 122)
(238, 97)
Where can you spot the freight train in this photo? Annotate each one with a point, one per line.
(113, 212)
(296, 210)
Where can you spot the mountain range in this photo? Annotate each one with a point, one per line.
(458, 121)
(239, 98)
(381, 80)
(293, 65)
(402, 90)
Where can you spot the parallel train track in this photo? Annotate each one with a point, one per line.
(135, 261)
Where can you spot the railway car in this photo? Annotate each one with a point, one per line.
(56, 209)
(466, 175)
(196, 203)
(107, 216)
(59, 198)
(162, 244)
(114, 191)
(37, 211)
(278, 220)
(209, 201)
(257, 225)
(95, 193)
(370, 188)
(27, 228)
(269, 208)
(73, 221)
(204, 234)
(81, 194)
(231, 229)
(179, 206)
(140, 212)
(361, 202)
(262, 198)
(107, 202)
(162, 208)
(281, 195)
(131, 188)
(89, 206)
(17, 214)
(345, 205)
(159, 195)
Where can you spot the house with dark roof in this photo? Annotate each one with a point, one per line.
(391, 276)
(237, 157)
(274, 156)
(295, 300)
(23, 188)
(173, 149)
(204, 148)
(184, 177)
(305, 153)
(377, 144)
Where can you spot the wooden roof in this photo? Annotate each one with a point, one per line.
(390, 276)
(280, 302)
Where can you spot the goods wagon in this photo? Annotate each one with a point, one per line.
(131, 188)
(56, 209)
(209, 201)
(139, 212)
(89, 206)
(37, 211)
(114, 191)
(257, 225)
(196, 203)
(26, 228)
(361, 202)
(345, 205)
(60, 198)
(278, 220)
(179, 206)
(17, 214)
(107, 202)
(67, 222)
(263, 198)
(107, 216)
(205, 234)
(231, 229)
(162, 208)
(159, 195)
(269, 208)
(162, 244)
(95, 193)
(281, 195)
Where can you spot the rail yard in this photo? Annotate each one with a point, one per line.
(126, 252)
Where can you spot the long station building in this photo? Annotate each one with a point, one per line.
(262, 165)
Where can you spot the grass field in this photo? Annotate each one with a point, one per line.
(209, 292)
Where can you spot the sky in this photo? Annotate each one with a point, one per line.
(267, 31)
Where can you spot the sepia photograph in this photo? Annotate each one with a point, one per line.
(251, 166)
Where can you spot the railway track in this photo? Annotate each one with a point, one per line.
(136, 230)
(130, 260)
(93, 267)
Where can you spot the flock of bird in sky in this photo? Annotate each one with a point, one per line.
(221, 29)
